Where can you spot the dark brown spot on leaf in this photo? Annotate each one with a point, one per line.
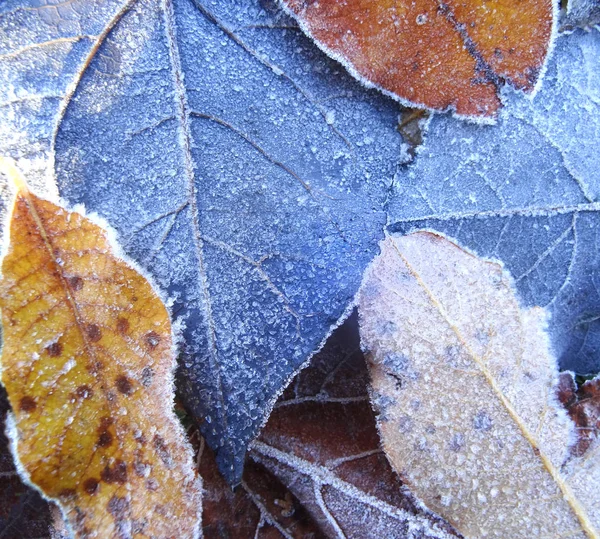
(27, 404)
(162, 450)
(105, 439)
(116, 474)
(54, 349)
(152, 339)
(90, 485)
(106, 422)
(76, 283)
(123, 384)
(122, 325)
(93, 332)
(84, 392)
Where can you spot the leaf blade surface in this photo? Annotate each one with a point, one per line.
(87, 362)
(440, 55)
(248, 174)
(487, 448)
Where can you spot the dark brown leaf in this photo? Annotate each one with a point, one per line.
(261, 507)
(583, 405)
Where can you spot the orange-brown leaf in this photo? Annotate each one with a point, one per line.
(87, 364)
(451, 53)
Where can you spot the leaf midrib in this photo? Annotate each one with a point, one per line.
(183, 115)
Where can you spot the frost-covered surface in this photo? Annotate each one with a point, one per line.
(341, 506)
(321, 441)
(247, 172)
(583, 13)
(43, 45)
(526, 191)
(463, 380)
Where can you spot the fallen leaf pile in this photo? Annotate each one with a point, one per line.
(367, 234)
(87, 364)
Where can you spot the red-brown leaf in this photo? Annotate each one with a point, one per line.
(449, 53)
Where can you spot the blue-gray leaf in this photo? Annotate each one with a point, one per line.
(527, 192)
(42, 49)
(248, 174)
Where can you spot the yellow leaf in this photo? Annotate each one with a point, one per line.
(87, 363)
(463, 380)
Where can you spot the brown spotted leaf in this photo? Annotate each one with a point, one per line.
(443, 54)
(488, 448)
(321, 441)
(87, 364)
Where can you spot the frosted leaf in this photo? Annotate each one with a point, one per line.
(247, 173)
(440, 55)
(42, 49)
(322, 443)
(583, 13)
(261, 507)
(583, 406)
(486, 448)
(526, 191)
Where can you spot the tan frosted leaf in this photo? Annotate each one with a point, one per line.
(464, 385)
(87, 364)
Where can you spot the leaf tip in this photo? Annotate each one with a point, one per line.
(8, 167)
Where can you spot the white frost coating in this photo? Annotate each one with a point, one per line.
(42, 49)
(464, 384)
(581, 13)
(551, 44)
(70, 89)
(321, 476)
